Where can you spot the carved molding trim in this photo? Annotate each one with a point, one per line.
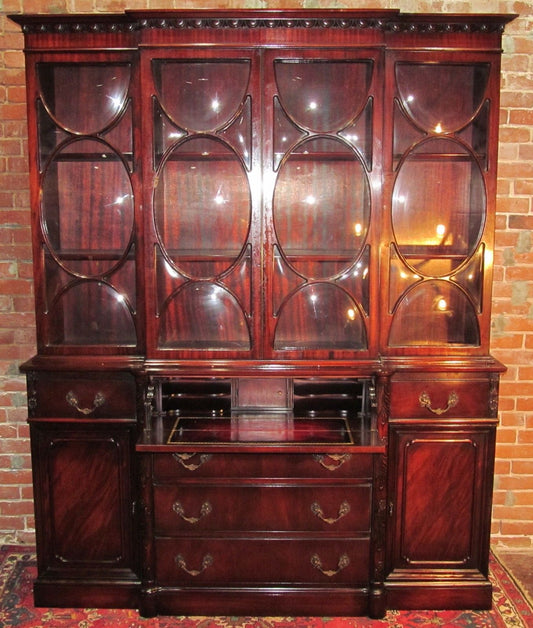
(459, 26)
(69, 27)
(494, 385)
(254, 23)
(115, 23)
(31, 379)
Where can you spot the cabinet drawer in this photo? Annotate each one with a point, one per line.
(279, 508)
(260, 561)
(442, 396)
(92, 396)
(168, 467)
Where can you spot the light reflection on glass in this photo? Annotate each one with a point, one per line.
(116, 101)
(441, 304)
(120, 199)
(351, 314)
(438, 128)
(358, 228)
(441, 230)
(171, 272)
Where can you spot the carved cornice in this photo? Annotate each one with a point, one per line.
(391, 22)
(254, 23)
(69, 27)
(430, 28)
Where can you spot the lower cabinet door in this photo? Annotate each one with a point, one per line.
(84, 499)
(440, 506)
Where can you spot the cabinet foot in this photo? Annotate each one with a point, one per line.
(377, 603)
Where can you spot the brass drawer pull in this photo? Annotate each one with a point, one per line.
(337, 460)
(344, 509)
(425, 402)
(73, 401)
(183, 458)
(344, 561)
(205, 509)
(207, 561)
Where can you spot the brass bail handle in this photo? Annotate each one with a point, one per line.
(331, 462)
(344, 509)
(72, 400)
(207, 561)
(205, 510)
(425, 402)
(183, 460)
(344, 561)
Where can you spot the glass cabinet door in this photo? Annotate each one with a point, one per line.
(322, 167)
(438, 204)
(84, 117)
(202, 202)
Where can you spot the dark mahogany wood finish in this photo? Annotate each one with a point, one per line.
(263, 255)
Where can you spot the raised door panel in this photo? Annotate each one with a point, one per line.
(440, 499)
(84, 500)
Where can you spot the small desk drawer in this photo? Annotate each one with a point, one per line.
(440, 396)
(89, 396)
(261, 508)
(169, 467)
(231, 561)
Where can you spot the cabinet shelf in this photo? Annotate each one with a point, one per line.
(295, 156)
(441, 157)
(428, 253)
(67, 157)
(84, 256)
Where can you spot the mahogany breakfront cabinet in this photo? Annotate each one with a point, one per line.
(263, 255)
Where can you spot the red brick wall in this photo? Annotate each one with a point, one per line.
(512, 323)
(512, 338)
(16, 290)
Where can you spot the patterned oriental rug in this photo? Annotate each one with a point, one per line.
(18, 569)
